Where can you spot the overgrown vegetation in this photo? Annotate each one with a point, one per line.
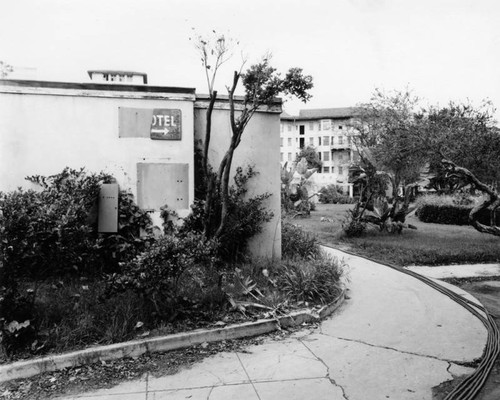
(333, 194)
(50, 239)
(295, 197)
(64, 285)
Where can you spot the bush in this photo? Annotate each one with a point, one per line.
(246, 217)
(52, 233)
(333, 194)
(315, 281)
(295, 242)
(351, 226)
(166, 272)
(450, 211)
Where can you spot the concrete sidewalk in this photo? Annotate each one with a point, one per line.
(458, 271)
(395, 338)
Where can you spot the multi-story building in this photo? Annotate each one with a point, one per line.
(328, 131)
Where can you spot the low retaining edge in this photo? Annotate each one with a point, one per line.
(135, 348)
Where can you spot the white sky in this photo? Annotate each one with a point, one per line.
(443, 49)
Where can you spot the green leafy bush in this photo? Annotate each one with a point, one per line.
(352, 226)
(333, 194)
(295, 242)
(246, 217)
(450, 210)
(52, 234)
(317, 280)
(165, 273)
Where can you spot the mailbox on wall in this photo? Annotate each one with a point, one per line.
(160, 184)
(107, 217)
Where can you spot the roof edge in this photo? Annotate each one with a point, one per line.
(95, 86)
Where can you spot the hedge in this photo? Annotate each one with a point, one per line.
(452, 214)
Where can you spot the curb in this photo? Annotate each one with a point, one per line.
(135, 348)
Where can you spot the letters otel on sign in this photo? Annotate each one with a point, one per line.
(166, 124)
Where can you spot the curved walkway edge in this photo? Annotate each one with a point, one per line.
(470, 386)
(135, 348)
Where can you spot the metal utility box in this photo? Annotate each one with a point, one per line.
(160, 184)
(107, 217)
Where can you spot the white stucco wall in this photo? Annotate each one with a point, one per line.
(259, 147)
(43, 130)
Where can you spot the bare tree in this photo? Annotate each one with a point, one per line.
(492, 201)
(262, 84)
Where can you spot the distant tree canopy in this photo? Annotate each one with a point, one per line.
(396, 136)
(465, 135)
(311, 156)
(388, 134)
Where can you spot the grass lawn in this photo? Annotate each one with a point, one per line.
(430, 244)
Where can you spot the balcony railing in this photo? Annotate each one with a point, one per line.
(341, 146)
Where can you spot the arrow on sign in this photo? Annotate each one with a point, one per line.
(164, 131)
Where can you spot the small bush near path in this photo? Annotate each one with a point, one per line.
(296, 242)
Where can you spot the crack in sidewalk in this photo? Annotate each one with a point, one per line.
(393, 349)
(248, 376)
(344, 395)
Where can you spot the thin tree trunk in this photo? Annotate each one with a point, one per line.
(208, 132)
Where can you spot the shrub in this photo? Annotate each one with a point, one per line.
(333, 194)
(165, 272)
(315, 281)
(449, 210)
(52, 233)
(329, 194)
(352, 226)
(295, 242)
(246, 217)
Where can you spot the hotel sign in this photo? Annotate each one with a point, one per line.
(166, 124)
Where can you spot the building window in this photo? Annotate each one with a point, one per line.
(281, 157)
(326, 140)
(326, 124)
(282, 127)
(289, 127)
(319, 141)
(311, 141)
(326, 156)
(341, 139)
(333, 169)
(326, 170)
(289, 141)
(341, 170)
(281, 142)
(319, 155)
(289, 156)
(311, 126)
(340, 126)
(319, 126)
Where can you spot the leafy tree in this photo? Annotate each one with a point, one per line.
(262, 84)
(311, 156)
(387, 135)
(465, 135)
